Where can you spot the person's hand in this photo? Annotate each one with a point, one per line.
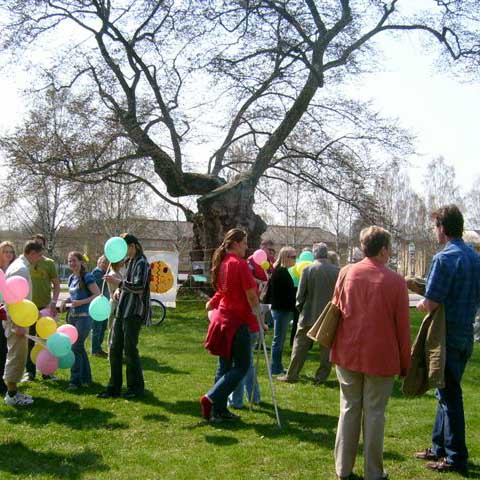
(208, 306)
(111, 279)
(20, 331)
(421, 306)
(53, 309)
(116, 295)
(63, 306)
(265, 327)
(77, 303)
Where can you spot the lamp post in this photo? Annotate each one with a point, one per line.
(411, 254)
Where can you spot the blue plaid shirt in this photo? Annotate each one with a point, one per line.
(454, 280)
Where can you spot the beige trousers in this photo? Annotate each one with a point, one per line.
(301, 346)
(363, 399)
(16, 355)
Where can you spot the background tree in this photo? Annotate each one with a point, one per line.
(264, 66)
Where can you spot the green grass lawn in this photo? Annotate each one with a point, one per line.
(77, 436)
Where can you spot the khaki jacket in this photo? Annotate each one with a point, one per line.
(428, 356)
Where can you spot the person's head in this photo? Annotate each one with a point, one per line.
(102, 263)
(286, 257)
(134, 247)
(40, 239)
(33, 251)
(320, 251)
(375, 242)
(235, 242)
(7, 254)
(267, 246)
(357, 255)
(76, 262)
(333, 258)
(448, 223)
(116, 266)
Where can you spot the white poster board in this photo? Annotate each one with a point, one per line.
(164, 284)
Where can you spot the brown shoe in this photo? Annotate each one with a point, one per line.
(444, 466)
(426, 454)
(100, 354)
(286, 378)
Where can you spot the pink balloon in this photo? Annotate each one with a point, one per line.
(16, 289)
(259, 256)
(70, 331)
(46, 362)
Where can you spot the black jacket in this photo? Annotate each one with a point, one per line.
(281, 291)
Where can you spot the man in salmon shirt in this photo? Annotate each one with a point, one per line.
(454, 281)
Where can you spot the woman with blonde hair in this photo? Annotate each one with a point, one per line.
(7, 256)
(281, 296)
(233, 311)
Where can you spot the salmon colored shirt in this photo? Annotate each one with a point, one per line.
(373, 335)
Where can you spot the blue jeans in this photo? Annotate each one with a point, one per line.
(80, 372)
(230, 371)
(98, 333)
(448, 437)
(281, 321)
(248, 382)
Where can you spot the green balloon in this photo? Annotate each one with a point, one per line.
(294, 277)
(67, 360)
(99, 308)
(306, 257)
(115, 249)
(59, 344)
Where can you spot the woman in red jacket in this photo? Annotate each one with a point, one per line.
(234, 312)
(371, 346)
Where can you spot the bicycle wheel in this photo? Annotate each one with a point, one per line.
(159, 312)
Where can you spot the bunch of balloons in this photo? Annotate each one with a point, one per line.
(260, 258)
(115, 250)
(304, 260)
(56, 349)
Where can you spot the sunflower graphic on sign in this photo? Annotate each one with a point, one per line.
(162, 278)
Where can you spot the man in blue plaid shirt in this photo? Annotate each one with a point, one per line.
(454, 281)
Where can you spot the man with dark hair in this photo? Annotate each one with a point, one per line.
(315, 290)
(45, 292)
(454, 281)
(16, 339)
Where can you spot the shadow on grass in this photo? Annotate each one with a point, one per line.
(473, 471)
(152, 364)
(155, 417)
(46, 411)
(19, 459)
(221, 440)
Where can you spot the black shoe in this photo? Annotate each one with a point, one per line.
(225, 416)
(108, 394)
(130, 394)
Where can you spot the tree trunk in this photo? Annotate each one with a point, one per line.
(224, 208)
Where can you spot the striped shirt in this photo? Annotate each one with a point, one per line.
(135, 290)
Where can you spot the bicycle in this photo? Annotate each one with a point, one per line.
(159, 312)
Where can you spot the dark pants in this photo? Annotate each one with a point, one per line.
(3, 358)
(448, 437)
(98, 334)
(125, 338)
(230, 371)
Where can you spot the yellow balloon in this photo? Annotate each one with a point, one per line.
(38, 347)
(24, 313)
(301, 265)
(46, 326)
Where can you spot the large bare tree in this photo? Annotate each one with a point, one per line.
(167, 74)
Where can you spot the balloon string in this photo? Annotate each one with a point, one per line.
(37, 339)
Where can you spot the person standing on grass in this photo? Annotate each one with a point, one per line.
(45, 292)
(235, 309)
(7, 256)
(116, 270)
(315, 290)
(371, 346)
(281, 295)
(16, 340)
(98, 328)
(454, 281)
(133, 294)
(82, 290)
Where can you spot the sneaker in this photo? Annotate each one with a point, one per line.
(100, 354)
(18, 400)
(72, 387)
(206, 404)
(286, 378)
(53, 378)
(108, 394)
(27, 377)
(225, 416)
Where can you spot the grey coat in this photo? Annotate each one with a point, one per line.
(315, 290)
